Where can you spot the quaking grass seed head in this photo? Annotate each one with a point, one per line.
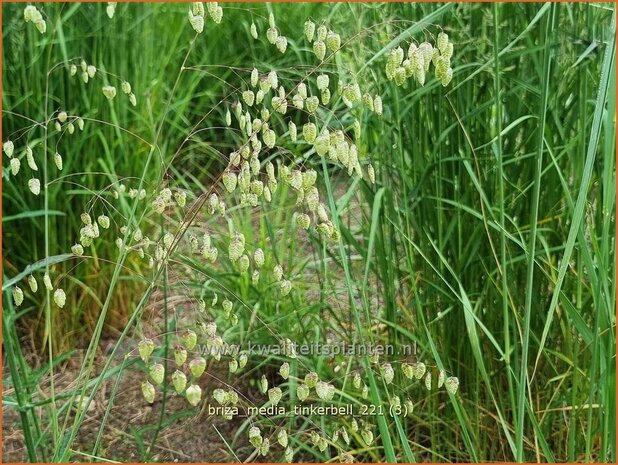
(451, 384)
(322, 81)
(272, 34)
(197, 367)
(180, 355)
(312, 103)
(193, 394)
(15, 166)
(309, 28)
(441, 378)
(145, 348)
(157, 373)
(148, 391)
(325, 391)
(58, 161)
(302, 392)
(179, 380)
(18, 296)
(263, 384)
(47, 282)
(255, 436)
(333, 41)
(281, 43)
(8, 148)
(197, 22)
(274, 395)
(34, 185)
(284, 370)
(109, 92)
(322, 31)
(319, 48)
(387, 372)
(30, 159)
(32, 282)
(188, 339)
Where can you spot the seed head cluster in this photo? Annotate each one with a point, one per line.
(282, 124)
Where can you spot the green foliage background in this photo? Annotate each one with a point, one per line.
(488, 240)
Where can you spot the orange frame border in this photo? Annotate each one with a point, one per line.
(285, 1)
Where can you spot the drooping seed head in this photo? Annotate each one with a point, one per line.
(319, 48)
(293, 131)
(448, 76)
(109, 92)
(180, 355)
(30, 159)
(321, 33)
(325, 391)
(428, 381)
(8, 147)
(58, 161)
(309, 28)
(103, 221)
(387, 373)
(302, 392)
(179, 380)
(77, 250)
(442, 41)
(367, 436)
(189, 339)
(263, 384)
(249, 97)
(148, 391)
(309, 132)
(157, 373)
(230, 181)
(34, 185)
(325, 96)
(333, 41)
(278, 272)
(197, 22)
(15, 165)
(255, 436)
(18, 296)
(197, 367)
(303, 220)
(371, 174)
(322, 81)
(441, 378)
(312, 104)
(451, 384)
(243, 263)
(281, 43)
(270, 138)
(311, 379)
(274, 395)
(284, 370)
(32, 282)
(258, 258)
(194, 394)
(272, 34)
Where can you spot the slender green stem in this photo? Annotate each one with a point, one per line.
(531, 250)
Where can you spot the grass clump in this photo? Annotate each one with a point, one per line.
(238, 222)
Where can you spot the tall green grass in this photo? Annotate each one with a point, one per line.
(488, 240)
